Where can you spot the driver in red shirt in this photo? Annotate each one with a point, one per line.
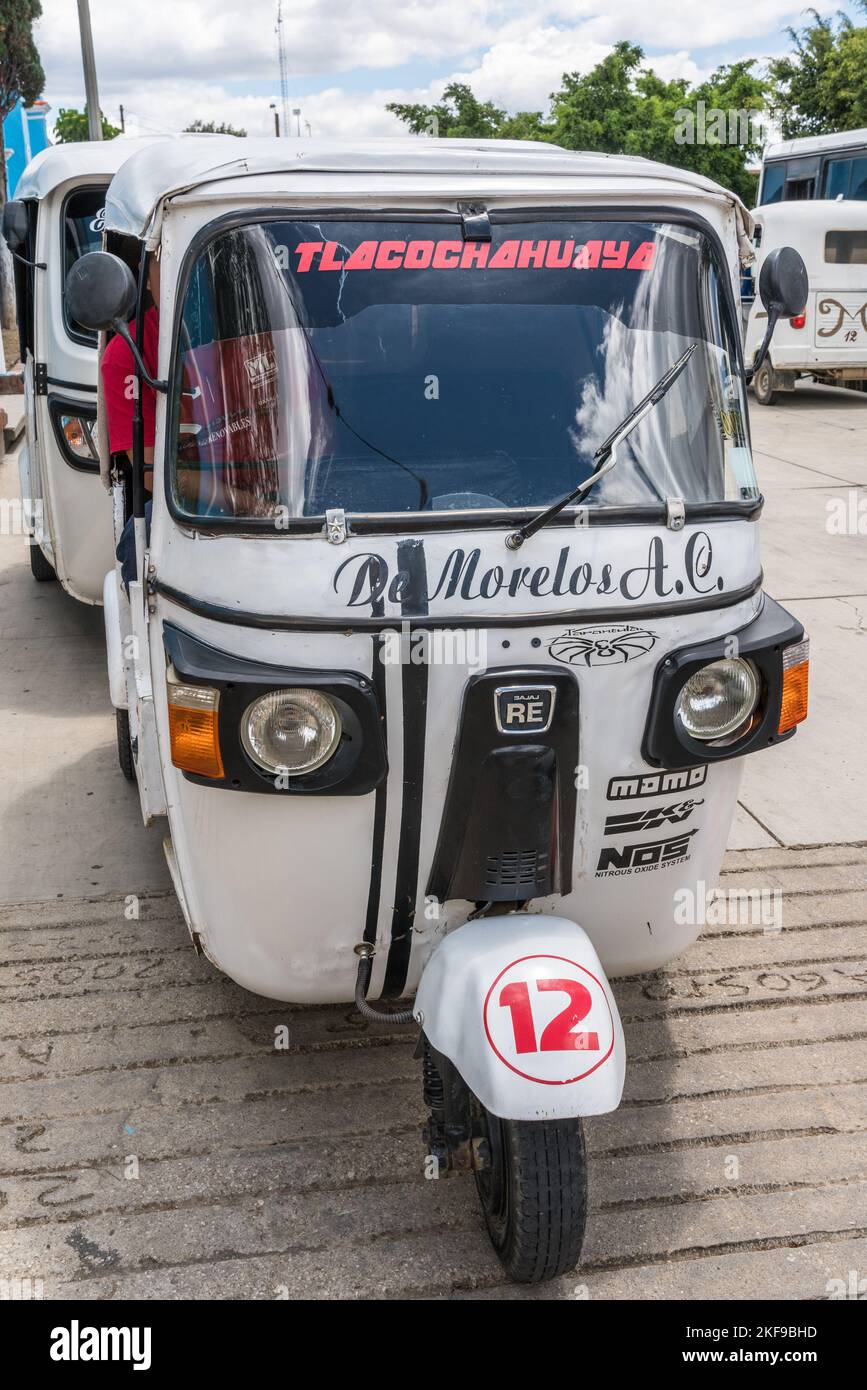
(119, 380)
(119, 384)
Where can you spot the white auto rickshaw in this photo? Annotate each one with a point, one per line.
(828, 340)
(447, 637)
(55, 218)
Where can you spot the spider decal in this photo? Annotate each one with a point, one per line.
(601, 646)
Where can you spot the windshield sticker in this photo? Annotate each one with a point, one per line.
(646, 857)
(364, 579)
(474, 255)
(627, 822)
(602, 646)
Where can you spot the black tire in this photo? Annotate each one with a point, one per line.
(764, 385)
(42, 569)
(124, 745)
(533, 1194)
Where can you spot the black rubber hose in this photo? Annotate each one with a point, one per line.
(362, 984)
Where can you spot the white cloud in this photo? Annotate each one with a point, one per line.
(221, 39)
(171, 61)
(672, 23)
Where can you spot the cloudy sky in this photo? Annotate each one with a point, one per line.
(170, 61)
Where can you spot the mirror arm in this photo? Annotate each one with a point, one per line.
(120, 327)
(774, 315)
(33, 265)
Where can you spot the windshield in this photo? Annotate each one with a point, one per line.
(82, 232)
(392, 367)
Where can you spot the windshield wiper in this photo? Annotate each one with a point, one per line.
(606, 454)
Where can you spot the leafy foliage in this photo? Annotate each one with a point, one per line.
(619, 107)
(71, 126)
(213, 128)
(822, 86)
(622, 107)
(21, 75)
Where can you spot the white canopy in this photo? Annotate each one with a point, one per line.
(169, 168)
(81, 159)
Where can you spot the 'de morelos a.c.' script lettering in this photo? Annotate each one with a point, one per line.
(467, 574)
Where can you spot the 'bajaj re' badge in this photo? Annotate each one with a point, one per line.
(521, 709)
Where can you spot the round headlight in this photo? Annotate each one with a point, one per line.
(290, 731)
(718, 698)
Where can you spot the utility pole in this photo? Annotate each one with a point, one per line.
(284, 70)
(122, 121)
(276, 119)
(94, 119)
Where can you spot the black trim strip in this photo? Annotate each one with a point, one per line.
(70, 385)
(414, 679)
(380, 804)
(279, 622)
(388, 523)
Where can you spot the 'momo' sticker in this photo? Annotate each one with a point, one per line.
(548, 1019)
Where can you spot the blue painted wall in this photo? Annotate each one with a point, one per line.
(25, 133)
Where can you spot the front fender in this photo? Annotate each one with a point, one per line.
(520, 1005)
(114, 640)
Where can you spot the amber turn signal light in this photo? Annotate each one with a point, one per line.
(796, 675)
(194, 729)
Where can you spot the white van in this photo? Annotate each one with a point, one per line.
(829, 340)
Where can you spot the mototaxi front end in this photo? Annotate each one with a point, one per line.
(448, 638)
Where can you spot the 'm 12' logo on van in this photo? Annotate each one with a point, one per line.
(520, 709)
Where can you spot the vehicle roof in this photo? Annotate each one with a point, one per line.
(808, 217)
(167, 169)
(80, 159)
(816, 144)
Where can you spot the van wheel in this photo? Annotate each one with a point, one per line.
(43, 570)
(764, 385)
(533, 1191)
(124, 745)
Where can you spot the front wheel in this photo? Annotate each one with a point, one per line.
(124, 745)
(764, 385)
(41, 569)
(531, 1177)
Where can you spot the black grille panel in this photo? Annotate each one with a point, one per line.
(507, 832)
(524, 868)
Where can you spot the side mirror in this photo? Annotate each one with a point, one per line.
(783, 282)
(100, 289)
(15, 225)
(101, 293)
(783, 289)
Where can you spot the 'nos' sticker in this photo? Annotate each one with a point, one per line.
(548, 1019)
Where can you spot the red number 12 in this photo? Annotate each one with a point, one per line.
(558, 1036)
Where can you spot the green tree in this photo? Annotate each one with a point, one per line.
(212, 128)
(71, 126)
(462, 116)
(21, 79)
(822, 85)
(21, 75)
(621, 107)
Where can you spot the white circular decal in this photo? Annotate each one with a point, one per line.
(548, 1019)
